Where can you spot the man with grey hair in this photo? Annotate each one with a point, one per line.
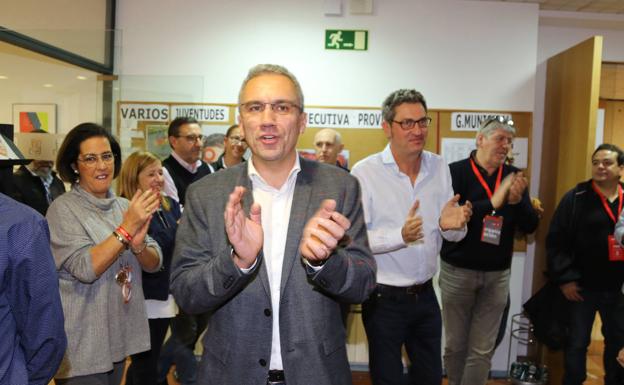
(475, 272)
(275, 266)
(409, 207)
(328, 145)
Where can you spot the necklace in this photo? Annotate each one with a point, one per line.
(123, 277)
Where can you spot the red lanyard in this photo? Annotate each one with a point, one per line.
(606, 205)
(482, 181)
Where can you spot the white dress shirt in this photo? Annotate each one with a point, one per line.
(387, 196)
(170, 188)
(161, 309)
(275, 205)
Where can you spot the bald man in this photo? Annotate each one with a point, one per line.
(328, 144)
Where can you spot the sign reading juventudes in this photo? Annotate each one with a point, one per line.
(203, 113)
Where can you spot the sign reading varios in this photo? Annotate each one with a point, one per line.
(152, 112)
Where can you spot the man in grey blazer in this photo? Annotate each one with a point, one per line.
(272, 247)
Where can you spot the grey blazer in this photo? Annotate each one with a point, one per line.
(237, 344)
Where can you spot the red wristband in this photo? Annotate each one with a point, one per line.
(123, 232)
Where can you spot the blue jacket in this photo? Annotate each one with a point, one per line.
(162, 229)
(32, 341)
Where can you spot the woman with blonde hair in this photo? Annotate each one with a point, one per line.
(143, 171)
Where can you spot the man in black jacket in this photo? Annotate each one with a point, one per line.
(184, 165)
(36, 185)
(584, 260)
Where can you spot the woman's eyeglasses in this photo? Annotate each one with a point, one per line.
(90, 160)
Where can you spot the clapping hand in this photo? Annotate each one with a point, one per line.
(244, 233)
(137, 217)
(517, 188)
(454, 216)
(413, 227)
(499, 198)
(323, 232)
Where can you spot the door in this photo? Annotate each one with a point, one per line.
(570, 110)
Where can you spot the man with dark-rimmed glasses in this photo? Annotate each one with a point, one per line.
(475, 272)
(184, 166)
(409, 207)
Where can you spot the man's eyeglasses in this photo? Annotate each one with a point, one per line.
(408, 124)
(498, 119)
(192, 138)
(279, 107)
(90, 160)
(237, 140)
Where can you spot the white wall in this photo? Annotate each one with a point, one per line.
(460, 54)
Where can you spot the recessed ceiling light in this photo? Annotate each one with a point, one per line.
(2, 77)
(48, 85)
(80, 77)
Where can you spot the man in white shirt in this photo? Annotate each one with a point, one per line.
(274, 267)
(409, 207)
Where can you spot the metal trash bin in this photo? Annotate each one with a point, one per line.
(526, 372)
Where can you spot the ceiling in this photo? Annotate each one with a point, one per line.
(22, 70)
(594, 6)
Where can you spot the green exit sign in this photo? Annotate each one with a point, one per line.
(346, 39)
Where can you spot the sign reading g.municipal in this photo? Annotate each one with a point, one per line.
(346, 39)
(471, 121)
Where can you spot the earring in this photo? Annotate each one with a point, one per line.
(75, 171)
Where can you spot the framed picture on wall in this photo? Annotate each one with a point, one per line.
(34, 118)
(157, 140)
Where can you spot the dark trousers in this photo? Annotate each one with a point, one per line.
(180, 347)
(393, 319)
(143, 368)
(582, 316)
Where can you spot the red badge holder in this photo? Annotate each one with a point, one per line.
(616, 251)
(492, 229)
